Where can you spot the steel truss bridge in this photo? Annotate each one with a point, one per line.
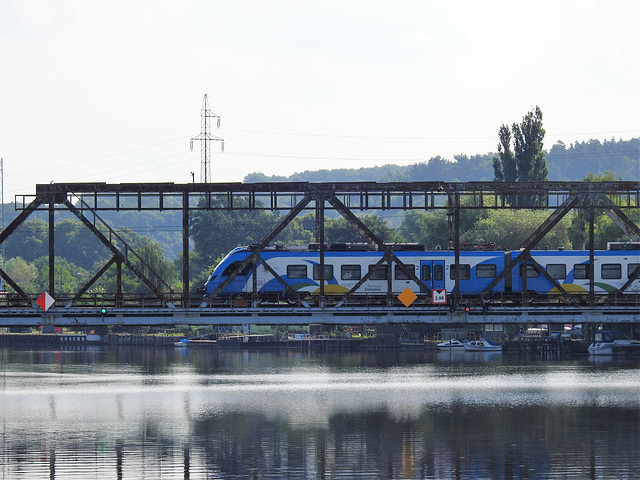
(164, 306)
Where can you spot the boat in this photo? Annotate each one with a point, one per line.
(482, 345)
(454, 344)
(608, 342)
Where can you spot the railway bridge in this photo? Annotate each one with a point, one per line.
(162, 305)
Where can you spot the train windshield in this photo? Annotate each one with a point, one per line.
(234, 265)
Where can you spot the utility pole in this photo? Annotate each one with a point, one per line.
(205, 138)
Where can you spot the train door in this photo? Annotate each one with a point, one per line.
(432, 273)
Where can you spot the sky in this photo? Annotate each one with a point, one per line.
(112, 91)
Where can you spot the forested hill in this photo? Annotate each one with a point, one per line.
(569, 163)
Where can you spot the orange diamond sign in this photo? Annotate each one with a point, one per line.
(407, 297)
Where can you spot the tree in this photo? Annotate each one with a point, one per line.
(29, 241)
(605, 229)
(68, 277)
(526, 162)
(217, 232)
(22, 273)
(430, 228)
(340, 230)
(510, 228)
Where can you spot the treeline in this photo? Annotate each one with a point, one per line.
(565, 163)
(78, 256)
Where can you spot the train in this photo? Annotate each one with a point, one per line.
(345, 265)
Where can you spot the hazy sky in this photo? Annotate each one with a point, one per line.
(112, 90)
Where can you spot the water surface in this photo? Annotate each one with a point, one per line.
(188, 413)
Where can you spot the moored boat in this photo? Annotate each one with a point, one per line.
(454, 344)
(482, 345)
(608, 342)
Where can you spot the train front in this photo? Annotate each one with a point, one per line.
(226, 266)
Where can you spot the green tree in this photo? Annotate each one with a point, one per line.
(430, 228)
(217, 232)
(605, 229)
(154, 257)
(526, 161)
(29, 241)
(68, 277)
(22, 273)
(340, 230)
(78, 245)
(510, 228)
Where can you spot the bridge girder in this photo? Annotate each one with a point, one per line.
(616, 198)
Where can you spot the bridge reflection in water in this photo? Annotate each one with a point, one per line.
(165, 413)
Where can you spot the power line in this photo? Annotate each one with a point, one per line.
(386, 137)
(84, 162)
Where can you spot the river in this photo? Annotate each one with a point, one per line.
(141, 412)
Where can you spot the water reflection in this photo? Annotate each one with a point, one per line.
(145, 413)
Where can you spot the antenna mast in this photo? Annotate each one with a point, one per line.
(205, 138)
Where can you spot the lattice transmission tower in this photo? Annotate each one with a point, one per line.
(206, 138)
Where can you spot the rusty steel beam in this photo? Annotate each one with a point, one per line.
(531, 242)
(357, 195)
(619, 218)
(120, 257)
(263, 243)
(369, 235)
(93, 280)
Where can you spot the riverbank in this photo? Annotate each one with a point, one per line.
(78, 339)
(251, 342)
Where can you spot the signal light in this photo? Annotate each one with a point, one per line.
(103, 310)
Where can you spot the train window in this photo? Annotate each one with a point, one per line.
(558, 271)
(611, 270)
(465, 272)
(379, 272)
(426, 273)
(296, 271)
(531, 271)
(328, 272)
(438, 273)
(233, 265)
(400, 274)
(632, 267)
(350, 272)
(486, 271)
(581, 271)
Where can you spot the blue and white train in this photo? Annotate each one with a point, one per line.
(345, 267)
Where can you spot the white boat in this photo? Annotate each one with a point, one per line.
(482, 345)
(454, 344)
(608, 342)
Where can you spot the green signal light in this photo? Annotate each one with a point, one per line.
(103, 310)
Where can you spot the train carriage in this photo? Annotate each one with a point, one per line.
(347, 265)
(570, 268)
(345, 268)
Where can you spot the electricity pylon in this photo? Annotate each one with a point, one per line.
(205, 138)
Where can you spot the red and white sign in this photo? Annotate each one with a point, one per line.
(45, 301)
(438, 297)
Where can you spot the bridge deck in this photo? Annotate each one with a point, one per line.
(317, 315)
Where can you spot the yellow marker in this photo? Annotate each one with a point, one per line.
(407, 297)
